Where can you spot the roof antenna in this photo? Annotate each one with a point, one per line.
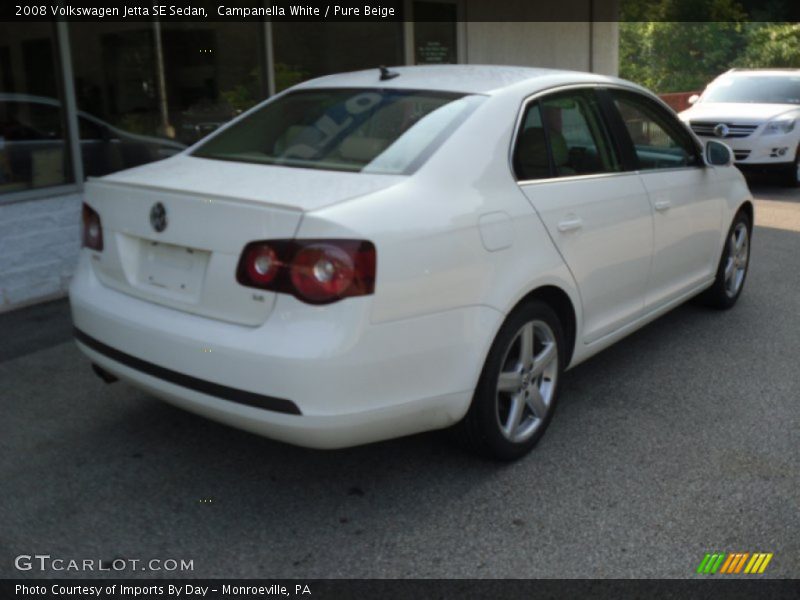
(386, 74)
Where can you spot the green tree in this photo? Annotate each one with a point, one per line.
(771, 45)
(682, 44)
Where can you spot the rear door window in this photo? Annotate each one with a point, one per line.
(563, 135)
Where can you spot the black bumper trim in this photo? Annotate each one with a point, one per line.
(193, 383)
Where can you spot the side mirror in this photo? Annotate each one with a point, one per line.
(718, 154)
(693, 98)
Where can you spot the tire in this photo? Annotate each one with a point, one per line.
(792, 176)
(728, 284)
(529, 350)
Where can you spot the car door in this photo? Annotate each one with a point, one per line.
(685, 196)
(598, 216)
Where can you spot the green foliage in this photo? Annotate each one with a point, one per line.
(681, 45)
(772, 45)
(245, 94)
(669, 56)
(288, 75)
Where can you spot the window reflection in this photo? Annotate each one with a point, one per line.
(147, 90)
(33, 149)
(311, 49)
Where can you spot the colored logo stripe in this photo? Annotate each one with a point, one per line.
(710, 563)
(734, 563)
(758, 563)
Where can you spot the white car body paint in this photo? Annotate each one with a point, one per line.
(753, 148)
(459, 244)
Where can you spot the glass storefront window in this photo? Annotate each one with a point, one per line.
(306, 50)
(34, 152)
(435, 33)
(145, 90)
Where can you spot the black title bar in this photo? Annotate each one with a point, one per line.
(386, 10)
(391, 589)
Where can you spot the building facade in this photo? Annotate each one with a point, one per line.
(83, 99)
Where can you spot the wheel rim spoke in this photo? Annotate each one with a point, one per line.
(514, 416)
(739, 240)
(544, 358)
(526, 345)
(536, 403)
(743, 252)
(509, 381)
(730, 269)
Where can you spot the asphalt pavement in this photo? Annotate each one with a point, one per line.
(680, 440)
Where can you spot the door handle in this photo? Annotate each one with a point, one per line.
(662, 205)
(570, 224)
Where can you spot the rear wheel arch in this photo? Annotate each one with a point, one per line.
(558, 300)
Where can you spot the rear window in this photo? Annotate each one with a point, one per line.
(362, 130)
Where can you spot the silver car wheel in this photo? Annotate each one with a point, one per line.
(527, 381)
(738, 255)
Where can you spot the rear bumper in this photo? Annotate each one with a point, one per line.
(322, 377)
(209, 388)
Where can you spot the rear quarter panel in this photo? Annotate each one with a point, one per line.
(459, 232)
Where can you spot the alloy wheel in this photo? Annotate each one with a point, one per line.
(527, 381)
(738, 255)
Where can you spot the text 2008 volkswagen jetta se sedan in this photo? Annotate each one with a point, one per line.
(379, 253)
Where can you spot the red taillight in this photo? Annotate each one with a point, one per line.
(261, 263)
(314, 271)
(322, 271)
(92, 228)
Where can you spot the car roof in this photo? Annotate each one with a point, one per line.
(469, 79)
(766, 72)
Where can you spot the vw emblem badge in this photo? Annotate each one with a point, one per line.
(158, 217)
(721, 130)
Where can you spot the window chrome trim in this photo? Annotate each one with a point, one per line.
(638, 172)
(590, 85)
(672, 169)
(525, 182)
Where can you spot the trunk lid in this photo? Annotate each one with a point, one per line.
(212, 209)
(300, 189)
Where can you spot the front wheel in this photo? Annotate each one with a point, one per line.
(518, 388)
(733, 265)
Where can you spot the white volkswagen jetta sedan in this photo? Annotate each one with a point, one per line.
(756, 112)
(374, 254)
